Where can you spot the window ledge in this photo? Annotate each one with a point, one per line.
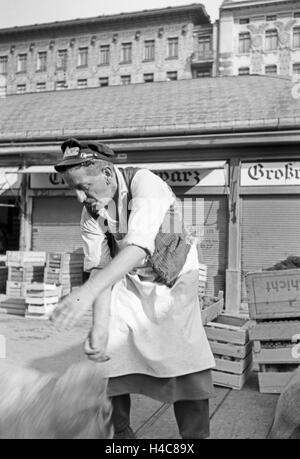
(172, 58)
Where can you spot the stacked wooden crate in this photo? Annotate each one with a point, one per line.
(13, 306)
(41, 300)
(228, 337)
(211, 307)
(23, 268)
(64, 269)
(229, 340)
(274, 307)
(3, 278)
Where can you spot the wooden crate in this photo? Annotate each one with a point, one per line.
(18, 258)
(273, 294)
(229, 340)
(211, 312)
(15, 306)
(270, 330)
(232, 381)
(25, 274)
(273, 354)
(16, 289)
(202, 279)
(273, 382)
(228, 329)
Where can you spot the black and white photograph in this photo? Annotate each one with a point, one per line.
(150, 222)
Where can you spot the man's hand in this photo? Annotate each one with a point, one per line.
(72, 307)
(95, 346)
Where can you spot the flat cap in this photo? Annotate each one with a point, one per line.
(75, 152)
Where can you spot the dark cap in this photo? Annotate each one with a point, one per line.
(76, 152)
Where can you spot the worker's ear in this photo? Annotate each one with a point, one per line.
(108, 173)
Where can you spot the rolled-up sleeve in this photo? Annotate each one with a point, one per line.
(151, 199)
(95, 247)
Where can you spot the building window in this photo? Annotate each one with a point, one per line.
(83, 54)
(3, 64)
(296, 68)
(244, 21)
(297, 14)
(62, 59)
(271, 39)
(204, 45)
(244, 42)
(296, 37)
(21, 88)
(149, 50)
(173, 48)
(126, 53)
(148, 77)
(271, 70)
(172, 76)
(41, 87)
(103, 82)
(41, 65)
(125, 79)
(272, 17)
(60, 85)
(82, 83)
(203, 73)
(104, 55)
(244, 71)
(22, 63)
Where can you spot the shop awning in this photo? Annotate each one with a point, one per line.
(9, 179)
(151, 166)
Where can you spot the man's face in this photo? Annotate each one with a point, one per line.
(94, 191)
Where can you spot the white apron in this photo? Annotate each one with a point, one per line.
(156, 330)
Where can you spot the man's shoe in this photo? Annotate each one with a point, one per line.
(125, 434)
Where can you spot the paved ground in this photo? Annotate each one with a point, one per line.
(234, 414)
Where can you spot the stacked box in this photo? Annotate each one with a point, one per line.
(26, 273)
(3, 278)
(20, 259)
(202, 279)
(23, 268)
(274, 307)
(41, 300)
(64, 269)
(211, 307)
(13, 306)
(229, 340)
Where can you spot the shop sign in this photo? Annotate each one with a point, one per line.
(270, 174)
(174, 178)
(47, 181)
(192, 178)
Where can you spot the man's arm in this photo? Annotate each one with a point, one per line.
(96, 343)
(74, 305)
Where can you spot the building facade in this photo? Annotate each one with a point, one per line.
(238, 177)
(259, 37)
(143, 47)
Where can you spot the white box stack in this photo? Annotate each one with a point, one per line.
(41, 300)
(64, 269)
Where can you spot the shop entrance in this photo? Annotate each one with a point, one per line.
(270, 232)
(9, 225)
(206, 218)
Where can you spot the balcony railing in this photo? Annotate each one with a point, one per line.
(199, 57)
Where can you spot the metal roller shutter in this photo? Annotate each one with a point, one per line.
(207, 217)
(55, 224)
(270, 232)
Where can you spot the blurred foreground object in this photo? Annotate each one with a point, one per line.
(287, 417)
(38, 406)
